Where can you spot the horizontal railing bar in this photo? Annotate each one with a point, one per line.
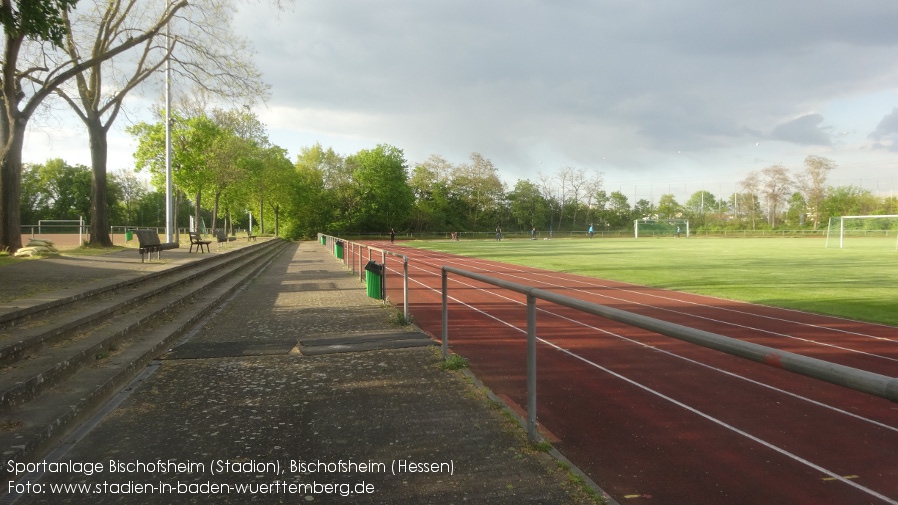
(859, 380)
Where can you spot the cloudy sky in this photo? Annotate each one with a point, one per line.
(661, 96)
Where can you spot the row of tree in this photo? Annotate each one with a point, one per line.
(471, 197)
(223, 165)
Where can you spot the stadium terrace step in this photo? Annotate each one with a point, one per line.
(63, 359)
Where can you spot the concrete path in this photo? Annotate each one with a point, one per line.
(238, 413)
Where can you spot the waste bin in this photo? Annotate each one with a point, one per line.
(338, 249)
(129, 235)
(374, 273)
(323, 240)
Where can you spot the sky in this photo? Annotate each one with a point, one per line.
(659, 96)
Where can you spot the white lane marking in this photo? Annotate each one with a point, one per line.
(678, 403)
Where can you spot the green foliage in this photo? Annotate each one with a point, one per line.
(528, 206)
(40, 20)
(385, 198)
(56, 190)
(454, 362)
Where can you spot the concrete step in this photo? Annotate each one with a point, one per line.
(78, 376)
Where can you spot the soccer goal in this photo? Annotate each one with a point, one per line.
(876, 226)
(661, 227)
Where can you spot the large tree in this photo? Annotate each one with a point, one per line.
(668, 208)
(528, 207)
(776, 186)
(812, 182)
(209, 56)
(385, 197)
(477, 186)
(30, 74)
(429, 183)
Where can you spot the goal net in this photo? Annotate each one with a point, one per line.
(875, 226)
(661, 228)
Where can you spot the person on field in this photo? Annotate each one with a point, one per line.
(678, 232)
(392, 235)
(498, 233)
(533, 233)
(590, 231)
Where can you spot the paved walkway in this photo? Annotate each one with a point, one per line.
(239, 403)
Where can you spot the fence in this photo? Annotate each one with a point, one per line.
(601, 233)
(356, 249)
(852, 378)
(858, 380)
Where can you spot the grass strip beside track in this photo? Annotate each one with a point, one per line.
(857, 282)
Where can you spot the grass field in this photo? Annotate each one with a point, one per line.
(857, 282)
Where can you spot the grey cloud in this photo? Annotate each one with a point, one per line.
(886, 132)
(805, 130)
(584, 79)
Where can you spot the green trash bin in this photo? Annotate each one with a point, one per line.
(129, 235)
(323, 240)
(338, 249)
(374, 280)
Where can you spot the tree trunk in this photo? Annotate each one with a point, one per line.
(11, 188)
(215, 211)
(99, 215)
(196, 212)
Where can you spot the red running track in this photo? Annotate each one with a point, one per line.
(655, 420)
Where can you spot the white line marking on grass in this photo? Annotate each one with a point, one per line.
(710, 319)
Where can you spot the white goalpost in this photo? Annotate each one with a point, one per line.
(664, 227)
(869, 225)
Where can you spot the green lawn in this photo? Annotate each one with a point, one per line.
(857, 282)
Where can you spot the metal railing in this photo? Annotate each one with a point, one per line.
(852, 378)
(356, 249)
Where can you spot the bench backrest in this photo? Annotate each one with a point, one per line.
(147, 237)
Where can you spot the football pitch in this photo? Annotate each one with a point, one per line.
(859, 281)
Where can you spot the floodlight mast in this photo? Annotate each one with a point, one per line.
(169, 206)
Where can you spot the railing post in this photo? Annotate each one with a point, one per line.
(383, 280)
(445, 318)
(361, 266)
(531, 368)
(405, 287)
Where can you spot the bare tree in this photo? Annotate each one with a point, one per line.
(812, 182)
(577, 184)
(776, 187)
(565, 175)
(591, 188)
(751, 187)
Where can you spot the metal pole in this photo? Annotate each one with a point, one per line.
(841, 231)
(169, 192)
(445, 318)
(531, 368)
(383, 280)
(405, 287)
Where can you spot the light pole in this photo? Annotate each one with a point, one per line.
(169, 207)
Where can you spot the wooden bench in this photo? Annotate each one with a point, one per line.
(149, 243)
(197, 240)
(250, 236)
(222, 237)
